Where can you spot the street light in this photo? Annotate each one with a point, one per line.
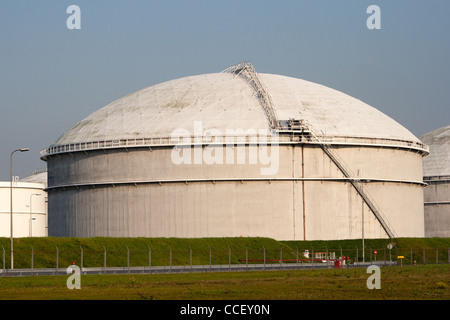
(11, 203)
(362, 181)
(31, 217)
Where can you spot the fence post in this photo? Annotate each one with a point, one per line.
(4, 268)
(170, 259)
(32, 257)
(209, 258)
(190, 257)
(312, 257)
(149, 257)
(246, 257)
(229, 258)
(81, 258)
(356, 255)
(104, 259)
(424, 255)
(128, 259)
(411, 256)
(57, 258)
(296, 248)
(281, 256)
(264, 257)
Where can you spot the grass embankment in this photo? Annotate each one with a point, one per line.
(142, 251)
(420, 250)
(408, 282)
(47, 252)
(428, 282)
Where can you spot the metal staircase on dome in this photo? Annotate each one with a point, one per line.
(248, 72)
(297, 126)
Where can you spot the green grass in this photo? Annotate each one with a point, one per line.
(69, 250)
(422, 281)
(421, 250)
(428, 282)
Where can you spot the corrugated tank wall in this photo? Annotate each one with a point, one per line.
(141, 192)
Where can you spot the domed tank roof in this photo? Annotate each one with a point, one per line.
(226, 101)
(437, 163)
(39, 176)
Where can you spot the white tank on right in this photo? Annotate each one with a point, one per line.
(436, 174)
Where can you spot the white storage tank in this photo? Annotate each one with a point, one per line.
(236, 153)
(29, 209)
(436, 170)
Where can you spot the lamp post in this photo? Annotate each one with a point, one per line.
(11, 202)
(31, 214)
(362, 225)
(362, 215)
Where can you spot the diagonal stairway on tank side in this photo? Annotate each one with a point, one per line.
(356, 183)
(247, 71)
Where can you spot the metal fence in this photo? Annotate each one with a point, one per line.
(173, 258)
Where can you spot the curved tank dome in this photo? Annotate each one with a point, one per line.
(436, 173)
(304, 162)
(437, 163)
(222, 101)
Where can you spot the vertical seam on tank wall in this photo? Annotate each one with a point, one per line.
(303, 194)
(293, 190)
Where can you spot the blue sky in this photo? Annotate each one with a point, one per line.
(52, 77)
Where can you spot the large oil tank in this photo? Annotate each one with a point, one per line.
(436, 170)
(29, 210)
(236, 153)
